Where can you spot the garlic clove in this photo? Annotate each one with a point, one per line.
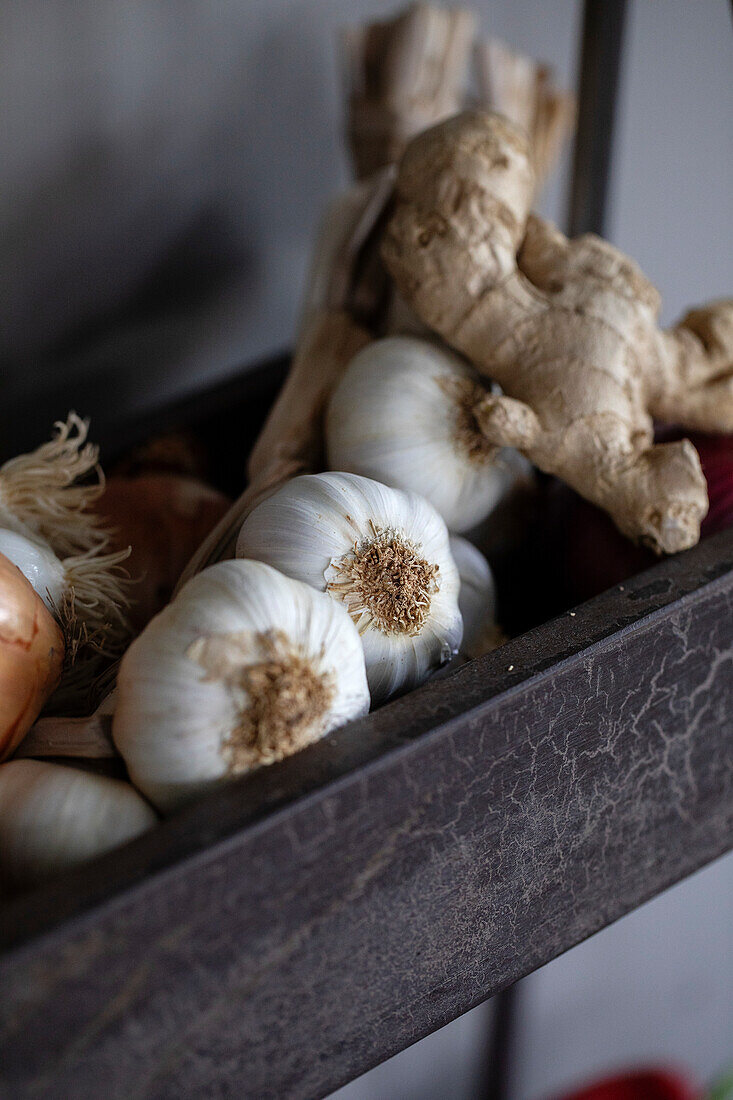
(53, 817)
(403, 415)
(31, 656)
(244, 667)
(477, 599)
(380, 552)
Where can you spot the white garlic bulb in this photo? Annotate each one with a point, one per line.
(403, 414)
(53, 816)
(38, 564)
(243, 668)
(477, 599)
(381, 553)
(88, 587)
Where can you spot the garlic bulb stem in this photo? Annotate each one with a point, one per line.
(404, 413)
(381, 553)
(245, 667)
(53, 817)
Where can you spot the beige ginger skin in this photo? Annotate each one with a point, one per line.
(568, 328)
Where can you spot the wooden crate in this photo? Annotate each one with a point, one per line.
(285, 934)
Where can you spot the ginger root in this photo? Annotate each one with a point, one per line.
(566, 327)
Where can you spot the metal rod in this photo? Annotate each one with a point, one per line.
(497, 1080)
(600, 61)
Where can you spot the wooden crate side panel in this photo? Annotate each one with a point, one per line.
(295, 955)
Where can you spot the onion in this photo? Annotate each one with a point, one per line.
(31, 655)
(165, 517)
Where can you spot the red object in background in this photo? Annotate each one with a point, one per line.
(647, 1084)
(716, 456)
(598, 556)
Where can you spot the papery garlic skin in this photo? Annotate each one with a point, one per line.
(53, 817)
(320, 529)
(402, 414)
(477, 599)
(243, 668)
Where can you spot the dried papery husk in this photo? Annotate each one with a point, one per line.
(523, 90)
(244, 667)
(51, 491)
(53, 817)
(381, 553)
(291, 441)
(31, 655)
(402, 75)
(164, 518)
(402, 413)
(88, 738)
(345, 271)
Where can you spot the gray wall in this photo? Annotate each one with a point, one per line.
(193, 141)
(192, 144)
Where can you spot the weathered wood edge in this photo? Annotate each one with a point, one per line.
(249, 802)
(296, 951)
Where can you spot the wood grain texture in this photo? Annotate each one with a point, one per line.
(282, 937)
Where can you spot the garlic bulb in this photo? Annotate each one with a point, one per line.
(31, 656)
(477, 599)
(88, 588)
(38, 564)
(48, 493)
(403, 413)
(381, 553)
(53, 816)
(244, 668)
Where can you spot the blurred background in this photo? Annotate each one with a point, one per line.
(163, 170)
(164, 166)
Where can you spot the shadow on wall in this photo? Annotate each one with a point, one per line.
(148, 249)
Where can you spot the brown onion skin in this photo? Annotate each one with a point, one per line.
(31, 656)
(164, 518)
